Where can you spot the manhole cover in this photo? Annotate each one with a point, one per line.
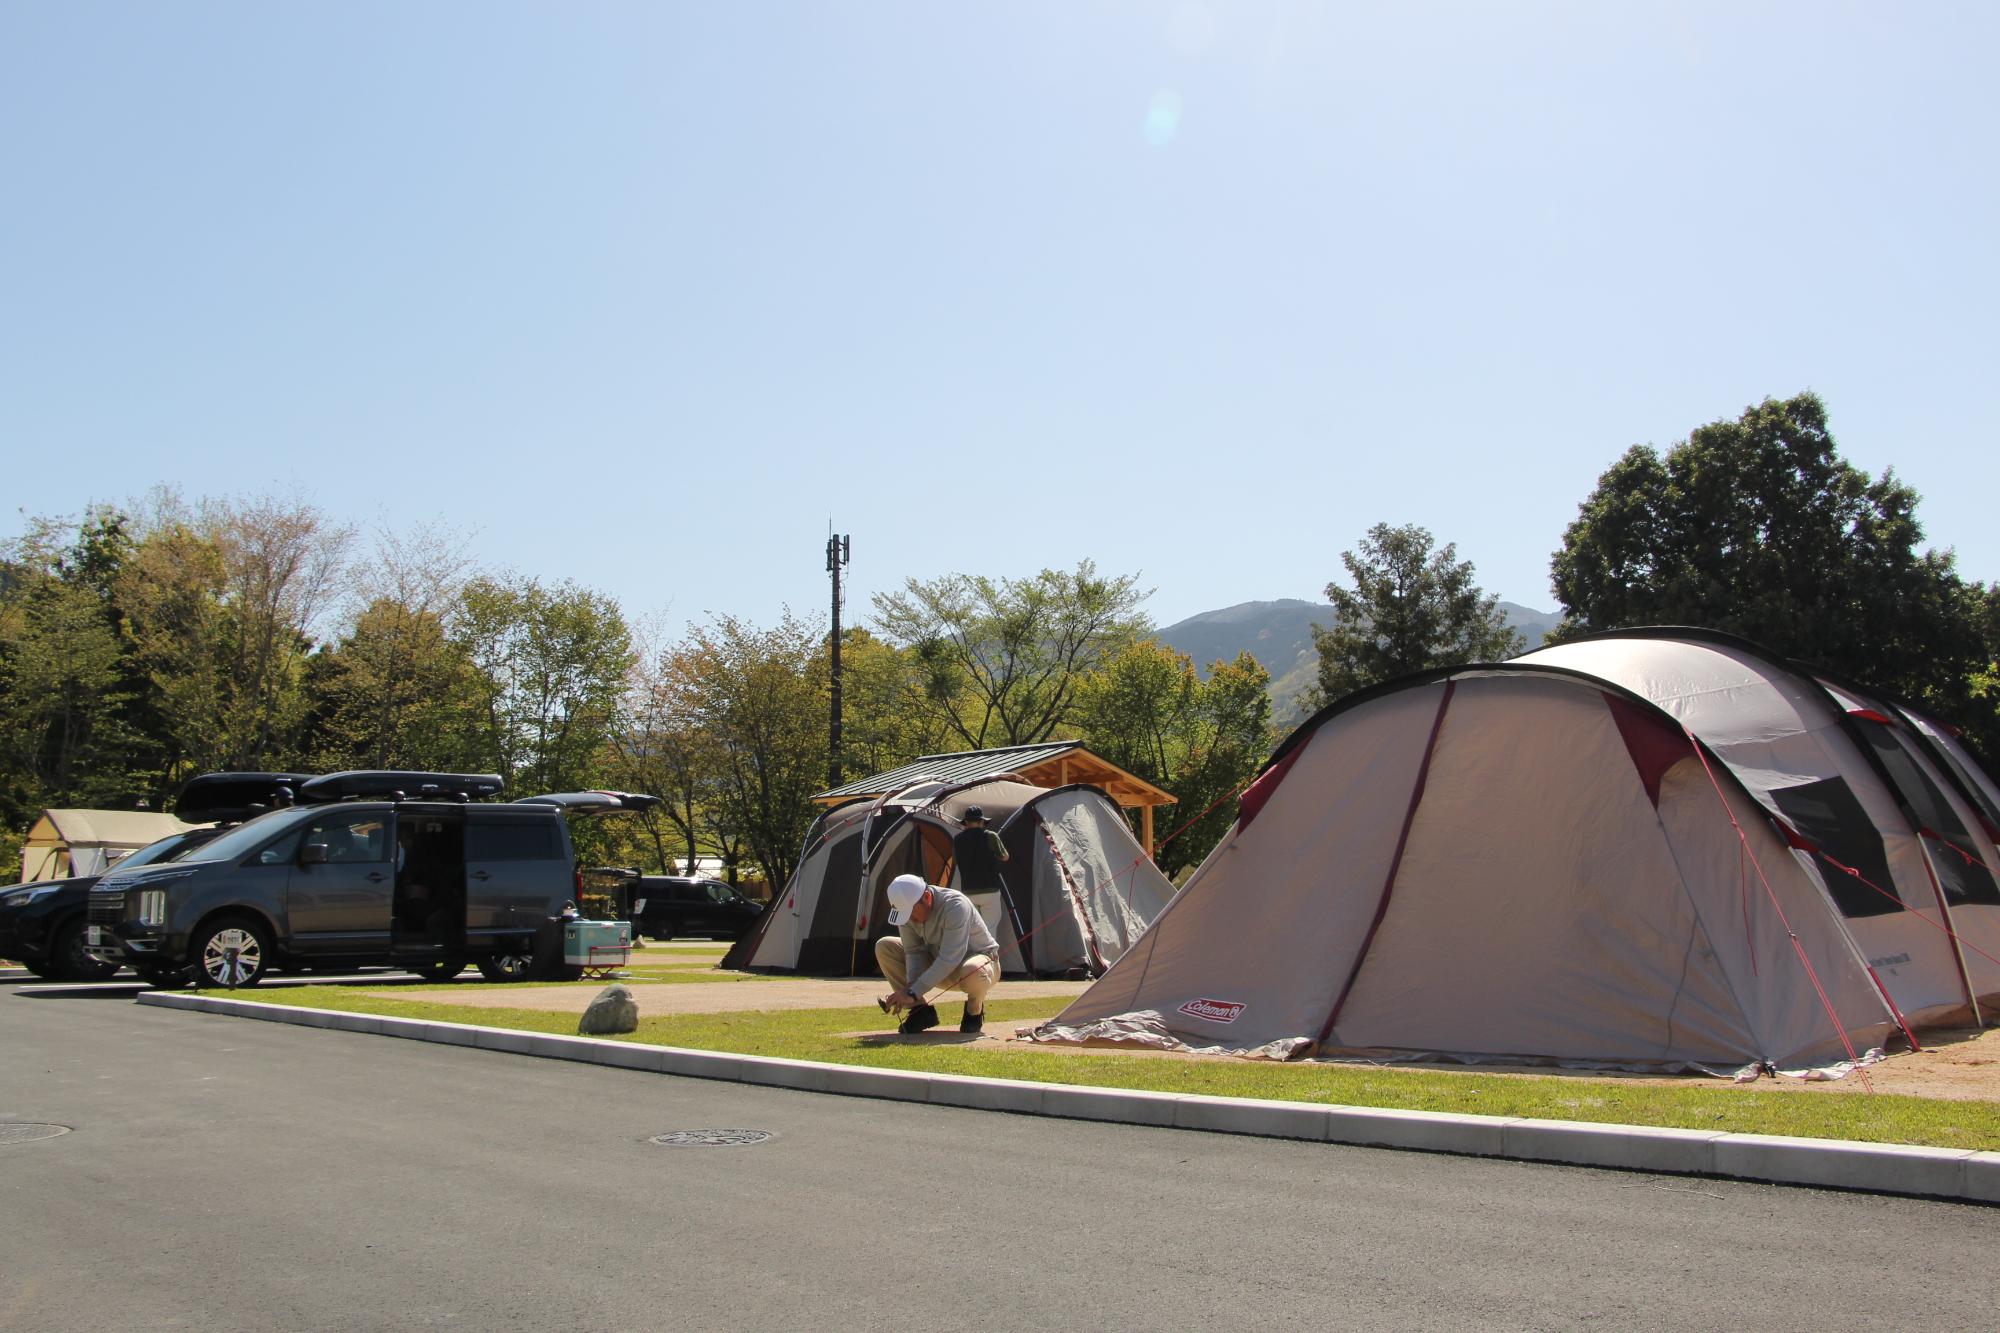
(29, 1133)
(710, 1138)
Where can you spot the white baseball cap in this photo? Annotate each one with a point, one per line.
(904, 891)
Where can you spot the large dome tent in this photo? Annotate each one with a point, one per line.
(1498, 863)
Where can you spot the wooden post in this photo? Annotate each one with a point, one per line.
(1146, 829)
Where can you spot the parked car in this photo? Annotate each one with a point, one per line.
(43, 924)
(664, 906)
(369, 868)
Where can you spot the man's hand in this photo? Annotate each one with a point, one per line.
(898, 1001)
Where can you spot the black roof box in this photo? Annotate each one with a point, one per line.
(382, 784)
(229, 798)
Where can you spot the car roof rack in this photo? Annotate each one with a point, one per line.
(389, 784)
(592, 802)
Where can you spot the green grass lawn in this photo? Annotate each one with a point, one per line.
(816, 1034)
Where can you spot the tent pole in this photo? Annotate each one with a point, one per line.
(1951, 929)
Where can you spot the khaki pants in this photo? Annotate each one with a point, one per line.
(975, 976)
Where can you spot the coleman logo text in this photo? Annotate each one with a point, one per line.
(1215, 1011)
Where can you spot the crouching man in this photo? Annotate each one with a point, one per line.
(941, 938)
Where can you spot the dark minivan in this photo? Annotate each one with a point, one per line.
(404, 869)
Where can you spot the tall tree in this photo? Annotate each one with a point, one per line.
(1412, 608)
(1148, 711)
(658, 747)
(1758, 527)
(397, 690)
(1000, 658)
(182, 631)
(65, 692)
(551, 665)
(757, 700)
(283, 563)
(880, 730)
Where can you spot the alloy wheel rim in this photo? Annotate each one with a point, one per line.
(218, 964)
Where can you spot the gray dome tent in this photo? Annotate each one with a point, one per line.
(1078, 887)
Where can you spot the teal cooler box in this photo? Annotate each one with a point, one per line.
(597, 943)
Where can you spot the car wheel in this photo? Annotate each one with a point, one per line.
(439, 969)
(68, 961)
(230, 952)
(46, 971)
(508, 967)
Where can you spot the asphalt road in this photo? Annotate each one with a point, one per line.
(228, 1174)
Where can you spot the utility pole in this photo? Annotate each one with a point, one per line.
(838, 551)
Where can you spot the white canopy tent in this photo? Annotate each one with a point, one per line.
(62, 843)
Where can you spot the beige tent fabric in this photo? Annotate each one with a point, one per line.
(88, 842)
(1543, 908)
(1775, 730)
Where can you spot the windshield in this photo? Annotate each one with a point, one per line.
(166, 849)
(245, 838)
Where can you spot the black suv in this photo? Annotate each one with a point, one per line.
(42, 924)
(664, 906)
(403, 869)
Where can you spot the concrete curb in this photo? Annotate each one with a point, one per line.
(1881, 1168)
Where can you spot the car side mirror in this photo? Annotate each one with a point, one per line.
(314, 854)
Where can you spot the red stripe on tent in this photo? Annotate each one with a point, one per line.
(1654, 745)
(1868, 715)
(1395, 864)
(1260, 791)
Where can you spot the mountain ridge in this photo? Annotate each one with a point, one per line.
(1279, 635)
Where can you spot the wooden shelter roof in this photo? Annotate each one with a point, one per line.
(1050, 764)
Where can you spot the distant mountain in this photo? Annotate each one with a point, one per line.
(1279, 635)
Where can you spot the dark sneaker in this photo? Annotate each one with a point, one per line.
(971, 1022)
(920, 1019)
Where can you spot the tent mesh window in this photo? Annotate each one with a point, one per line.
(1964, 880)
(1828, 813)
(1971, 786)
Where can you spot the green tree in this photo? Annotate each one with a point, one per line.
(658, 747)
(219, 605)
(1758, 527)
(1411, 608)
(754, 703)
(550, 666)
(1000, 659)
(1148, 711)
(65, 691)
(879, 729)
(397, 690)
(180, 633)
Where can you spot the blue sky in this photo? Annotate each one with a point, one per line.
(644, 294)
